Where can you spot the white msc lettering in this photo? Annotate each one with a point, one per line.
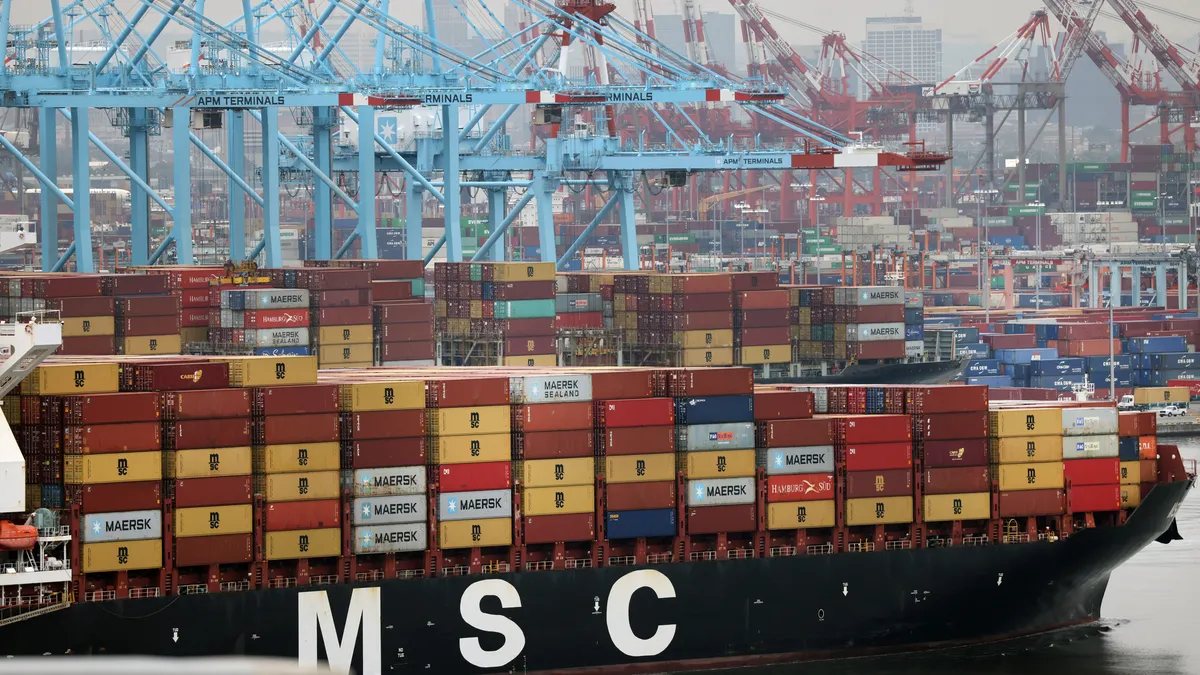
(514, 638)
(617, 617)
(316, 616)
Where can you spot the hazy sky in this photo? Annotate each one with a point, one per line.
(964, 21)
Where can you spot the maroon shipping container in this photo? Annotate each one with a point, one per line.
(637, 440)
(796, 433)
(218, 550)
(950, 398)
(953, 480)
(382, 424)
(759, 318)
(531, 345)
(149, 325)
(87, 345)
(384, 453)
(353, 297)
(637, 496)
(196, 434)
(871, 314)
(1101, 471)
(187, 492)
(553, 416)
(206, 404)
(332, 279)
(314, 428)
(302, 515)
(783, 405)
(126, 437)
(752, 337)
(341, 316)
(1084, 331)
(635, 412)
(134, 284)
(969, 452)
(951, 426)
(138, 496)
(710, 381)
(467, 392)
(405, 332)
(404, 312)
(888, 483)
(406, 351)
(469, 477)
(150, 305)
(523, 290)
(1025, 503)
(63, 285)
(1009, 340)
(524, 327)
(78, 307)
(564, 527)
(618, 384)
(700, 321)
(555, 444)
(110, 408)
(762, 299)
(1090, 498)
(713, 519)
(383, 290)
(878, 456)
(701, 302)
(298, 400)
(754, 281)
(180, 375)
(858, 429)
(890, 349)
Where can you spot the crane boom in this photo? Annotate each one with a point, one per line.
(1164, 51)
(1114, 68)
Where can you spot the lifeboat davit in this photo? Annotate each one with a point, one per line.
(17, 537)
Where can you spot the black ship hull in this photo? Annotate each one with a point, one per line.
(633, 620)
(922, 372)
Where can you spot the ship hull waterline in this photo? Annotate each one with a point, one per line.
(685, 616)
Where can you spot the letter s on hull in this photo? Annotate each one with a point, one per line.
(468, 608)
(316, 616)
(617, 614)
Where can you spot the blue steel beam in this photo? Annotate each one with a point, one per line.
(120, 164)
(497, 234)
(181, 214)
(5, 20)
(60, 36)
(48, 213)
(303, 158)
(139, 205)
(235, 150)
(413, 197)
(452, 206)
(403, 163)
(270, 179)
(587, 231)
(366, 182)
(158, 29)
(49, 186)
(341, 32)
(316, 28)
(120, 39)
(81, 183)
(322, 196)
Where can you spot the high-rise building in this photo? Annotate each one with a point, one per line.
(720, 30)
(452, 28)
(905, 43)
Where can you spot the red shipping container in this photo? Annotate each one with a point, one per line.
(178, 375)
(188, 492)
(563, 527)
(341, 316)
(953, 480)
(148, 325)
(878, 456)
(297, 400)
(467, 392)
(482, 476)
(554, 444)
(523, 327)
(1091, 498)
(406, 351)
(106, 497)
(754, 281)
(758, 318)
(762, 299)
(1089, 347)
(78, 307)
(800, 488)
(639, 496)
(87, 345)
(110, 408)
(1102, 471)
(1026, 503)
(1009, 340)
(619, 384)
(701, 302)
(194, 318)
(276, 429)
(946, 399)
(553, 416)
(713, 519)
(197, 434)
(1084, 331)
(700, 321)
(302, 515)
(858, 429)
(779, 405)
(1149, 470)
(354, 297)
(951, 426)
(638, 412)
(757, 337)
(134, 284)
(580, 320)
(796, 433)
(100, 438)
(709, 381)
(63, 285)
(888, 483)
(276, 318)
(404, 312)
(637, 440)
(192, 299)
(523, 290)
(968, 452)
(890, 349)
(533, 344)
(384, 453)
(1148, 447)
(150, 305)
(383, 290)
(383, 424)
(871, 314)
(205, 404)
(218, 550)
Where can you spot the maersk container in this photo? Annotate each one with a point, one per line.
(721, 491)
(266, 298)
(390, 510)
(914, 332)
(714, 409)
(641, 523)
(865, 296)
(1180, 361)
(1090, 447)
(278, 337)
(1164, 344)
(982, 368)
(524, 309)
(1057, 367)
(387, 482)
(391, 538)
(729, 436)
(787, 461)
(1025, 355)
(563, 388)
(874, 332)
(991, 380)
(1089, 421)
(122, 526)
(966, 336)
(475, 505)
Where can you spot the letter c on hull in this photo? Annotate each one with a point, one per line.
(468, 608)
(617, 614)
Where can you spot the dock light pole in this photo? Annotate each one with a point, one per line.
(1112, 356)
(1037, 294)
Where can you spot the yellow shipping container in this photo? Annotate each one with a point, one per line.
(1131, 473)
(1026, 449)
(1020, 422)
(523, 271)
(350, 335)
(769, 354)
(1034, 476)
(706, 339)
(879, 510)
(965, 506)
(339, 353)
(1131, 496)
(718, 464)
(492, 419)
(291, 544)
(193, 334)
(65, 379)
(801, 515)
(532, 360)
(111, 556)
(548, 501)
(204, 521)
(272, 371)
(1154, 395)
(294, 487)
(472, 533)
(146, 345)
(112, 467)
(80, 326)
(208, 463)
(721, 356)
(371, 396)
(470, 449)
(293, 457)
(537, 473)
(639, 468)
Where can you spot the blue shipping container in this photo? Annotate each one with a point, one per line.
(992, 381)
(714, 409)
(1046, 331)
(1122, 361)
(1025, 355)
(1160, 378)
(980, 350)
(1127, 449)
(1183, 361)
(1059, 382)
(647, 523)
(966, 336)
(1122, 382)
(1057, 367)
(914, 332)
(1165, 344)
(914, 316)
(283, 351)
(983, 368)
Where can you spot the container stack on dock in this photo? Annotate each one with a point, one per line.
(342, 319)
(264, 321)
(511, 304)
(148, 318)
(762, 318)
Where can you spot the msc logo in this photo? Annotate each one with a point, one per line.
(474, 420)
(641, 467)
(303, 486)
(529, 345)
(708, 338)
(476, 533)
(87, 325)
(79, 378)
(1031, 475)
(214, 520)
(389, 395)
(559, 472)
(722, 464)
(708, 357)
(346, 334)
(1030, 424)
(1030, 448)
(302, 457)
(122, 555)
(1124, 472)
(304, 543)
(280, 370)
(122, 467)
(153, 344)
(560, 500)
(958, 507)
(475, 451)
(766, 353)
(345, 353)
(801, 514)
(879, 483)
(879, 510)
(529, 362)
(214, 461)
(529, 271)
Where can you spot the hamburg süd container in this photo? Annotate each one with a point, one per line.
(1030, 476)
(1088, 447)
(563, 527)
(547, 501)
(293, 457)
(721, 492)
(292, 544)
(475, 505)
(309, 515)
(959, 506)
(389, 481)
(289, 487)
(122, 526)
(473, 533)
(799, 488)
(785, 461)
(390, 510)
(1089, 421)
(719, 464)
(207, 521)
(879, 511)
(1021, 449)
(714, 519)
(114, 556)
(393, 538)
(724, 436)
(641, 523)
(639, 468)
(801, 515)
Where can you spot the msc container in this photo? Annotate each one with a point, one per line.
(115, 496)
(390, 510)
(714, 519)
(804, 487)
(1030, 476)
(718, 464)
(564, 388)
(1131, 473)
(466, 421)
(114, 556)
(113, 467)
(564, 527)
(958, 479)
(803, 515)
(1089, 421)
(1021, 422)
(216, 550)
(727, 436)
(1090, 498)
(287, 487)
(784, 461)
(466, 449)
(1087, 447)
(303, 515)
(209, 463)
(640, 523)
(879, 511)
(890, 483)
(292, 544)
(122, 526)
(208, 491)
(294, 457)
(796, 433)
(1026, 503)
(474, 477)
(635, 496)
(879, 456)
(720, 492)
(372, 396)
(714, 410)
(389, 481)
(554, 500)
(960, 506)
(1027, 449)
(553, 444)
(475, 505)
(390, 538)
(272, 371)
(475, 533)
(1101, 471)
(644, 412)
(65, 379)
(206, 521)
(552, 472)
(966, 452)
(639, 468)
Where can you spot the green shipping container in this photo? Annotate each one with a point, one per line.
(525, 309)
(682, 238)
(997, 221)
(1014, 211)
(997, 283)
(418, 286)
(1143, 205)
(1143, 194)
(1091, 167)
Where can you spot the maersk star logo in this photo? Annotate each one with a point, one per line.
(96, 526)
(535, 391)
(366, 510)
(452, 505)
(700, 491)
(779, 459)
(366, 480)
(366, 537)
(387, 129)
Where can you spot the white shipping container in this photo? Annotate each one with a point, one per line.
(721, 492)
(725, 436)
(1090, 447)
(914, 349)
(122, 526)
(391, 538)
(277, 337)
(390, 510)
(475, 504)
(274, 298)
(564, 388)
(789, 461)
(390, 481)
(863, 296)
(1089, 421)
(874, 332)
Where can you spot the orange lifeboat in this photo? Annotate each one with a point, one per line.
(17, 537)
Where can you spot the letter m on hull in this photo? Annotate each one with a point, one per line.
(316, 617)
